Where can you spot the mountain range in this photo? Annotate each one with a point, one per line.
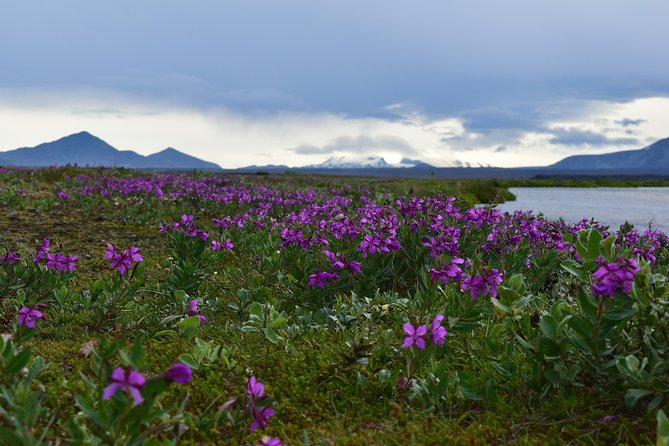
(654, 157)
(85, 149)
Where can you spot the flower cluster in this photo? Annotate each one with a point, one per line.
(415, 336)
(227, 245)
(320, 278)
(122, 260)
(485, 284)
(451, 271)
(61, 262)
(186, 226)
(339, 261)
(615, 276)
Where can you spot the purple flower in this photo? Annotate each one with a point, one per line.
(41, 251)
(320, 278)
(186, 220)
(414, 336)
(438, 332)
(193, 311)
(482, 285)
(255, 388)
(10, 258)
(130, 381)
(611, 277)
(60, 262)
(267, 441)
(260, 417)
(62, 195)
(28, 316)
(227, 245)
(354, 267)
(179, 373)
(122, 261)
(450, 271)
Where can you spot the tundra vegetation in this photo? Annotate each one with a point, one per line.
(150, 308)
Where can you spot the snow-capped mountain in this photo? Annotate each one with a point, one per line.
(378, 162)
(350, 162)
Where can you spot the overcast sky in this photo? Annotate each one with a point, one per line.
(239, 82)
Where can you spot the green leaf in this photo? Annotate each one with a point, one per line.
(632, 363)
(19, 361)
(191, 321)
(278, 322)
(166, 333)
(255, 309)
(634, 395)
(574, 268)
(619, 314)
(548, 326)
(594, 238)
(662, 429)
(500, 306)
(271, 335)
(553, 377)
(548, 347)
(470, 394)
(8, 437)
(188, 359)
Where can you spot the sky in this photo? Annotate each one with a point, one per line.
(501, 83)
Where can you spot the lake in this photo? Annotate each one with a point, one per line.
(608, 205)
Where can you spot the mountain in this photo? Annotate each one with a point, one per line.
(171, 158)
(349, 162)
(85, 149)
(655, 157)
(406, 162)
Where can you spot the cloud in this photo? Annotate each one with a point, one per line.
(627, 122)
(360, 144)
(578, 137)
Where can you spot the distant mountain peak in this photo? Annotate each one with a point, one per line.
(352, 162)
(86, 149)
(654, 157)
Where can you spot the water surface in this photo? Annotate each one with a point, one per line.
(611, 206)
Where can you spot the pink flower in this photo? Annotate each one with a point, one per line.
(414, 336)
(28, 316)
(127, 380)
(179, 373)
(255, 388)
(438, 332)
(260, 416)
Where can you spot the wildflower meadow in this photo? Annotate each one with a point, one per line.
(192, 308)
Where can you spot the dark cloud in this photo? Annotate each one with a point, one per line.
(360, 145)
(501, 149)
(627, 122)
(264, 54)
(311, 150)
(576, 137)
(517, 116)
